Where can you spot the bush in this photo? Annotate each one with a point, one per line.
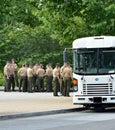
(1, 79)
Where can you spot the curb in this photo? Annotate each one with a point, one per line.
(33, 114)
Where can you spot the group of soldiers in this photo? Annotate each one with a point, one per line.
(33, 77)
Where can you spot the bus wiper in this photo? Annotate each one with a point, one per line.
(111, 76)
(82, 78)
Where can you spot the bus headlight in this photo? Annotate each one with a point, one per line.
(75, 88)
(75, 85)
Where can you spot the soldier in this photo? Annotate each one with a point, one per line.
(7, 76)
(61, 78)
(67, 77)
(40, 73)
(11, 77)
(23, 75)
(14, 66)
(30, 74)
(56, 78)
(35, 68)
(49, 78)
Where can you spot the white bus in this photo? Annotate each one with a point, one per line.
(94, 71)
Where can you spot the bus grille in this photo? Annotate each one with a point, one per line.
(97, 89)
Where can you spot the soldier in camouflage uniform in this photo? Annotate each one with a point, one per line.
(40, 73)
(49, 78)
(14, 66)
(67, 77)
(23, 75)
(7, 76)
(35, 68)
(30, 74)
(56, 79)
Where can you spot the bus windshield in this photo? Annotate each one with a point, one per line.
(94, 61)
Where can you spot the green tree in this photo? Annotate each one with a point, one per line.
(31, 29)
(100, 17)
(70, 19)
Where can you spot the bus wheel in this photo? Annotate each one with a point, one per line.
(86, 106)
(99, 109)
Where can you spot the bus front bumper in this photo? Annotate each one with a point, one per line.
(91, 100)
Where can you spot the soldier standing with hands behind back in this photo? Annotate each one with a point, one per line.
(61, 78)
(7, 76)
(35, 68)
(30, 74)
(14, 67)
(40, 73)
(67, 77)
(56, 79)
(23, 75)
(49, 77)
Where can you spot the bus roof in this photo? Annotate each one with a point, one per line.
(94, 42)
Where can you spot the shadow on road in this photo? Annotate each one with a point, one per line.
(106, 110)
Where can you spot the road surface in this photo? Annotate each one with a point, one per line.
(83, 120)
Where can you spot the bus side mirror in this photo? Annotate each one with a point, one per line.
(65, 59)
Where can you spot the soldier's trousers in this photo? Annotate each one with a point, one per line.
(12, 82)
(22, 84)
(40, 84)
(7, 84)
(56, 86)
(35, 83)
(26, 84)
(67, 85)
(49, 83)
(30, 84)
(61, 85)
(16, 78)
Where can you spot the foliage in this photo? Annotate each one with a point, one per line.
(39, 30)
(1, 79)
(100, 17)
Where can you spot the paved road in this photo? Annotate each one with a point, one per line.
(85, 120)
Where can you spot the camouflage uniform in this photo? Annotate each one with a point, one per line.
(49, 78)
(56, 79)
(30, 74)
(35, 68)
(40, 74)
(23, 75)
(61, 79)
(67, 77)
(11, 77)
(14, 66)
(7, 77)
